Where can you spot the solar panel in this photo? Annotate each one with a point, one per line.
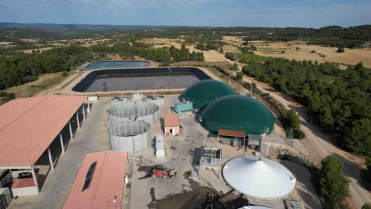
(89, 176)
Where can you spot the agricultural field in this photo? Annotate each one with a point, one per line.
(233, 40)
(210, 56)
(230, 48)
(299, 50)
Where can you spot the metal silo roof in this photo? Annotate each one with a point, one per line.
(206, 91)
(259, 177)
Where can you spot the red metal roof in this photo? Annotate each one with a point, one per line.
(29, 125)
(107, 182)
(224, 132)
(171, 120)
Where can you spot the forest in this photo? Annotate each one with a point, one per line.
(22, 68)
(338, 101)
(335, 36)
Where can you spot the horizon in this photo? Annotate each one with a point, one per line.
(189, 13)
(190, 26)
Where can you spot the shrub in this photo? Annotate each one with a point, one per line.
(366, 206)
(6, 96)
(239, 76)
(340, 50)
(235, 66)
(298, 134)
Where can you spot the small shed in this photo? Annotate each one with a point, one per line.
(24, 187)
(160, 146)
(171, 124)
(232, 137)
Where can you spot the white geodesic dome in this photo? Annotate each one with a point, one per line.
(134, 111)
(259, 177)
(129, 136)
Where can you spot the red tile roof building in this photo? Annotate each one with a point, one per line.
(107, 183)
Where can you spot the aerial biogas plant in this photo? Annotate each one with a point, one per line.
(204, 133)
(205, 109)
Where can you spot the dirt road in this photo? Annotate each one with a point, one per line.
(319, 145)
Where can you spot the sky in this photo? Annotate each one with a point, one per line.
(263, 13)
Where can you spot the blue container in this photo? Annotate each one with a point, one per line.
(183, 106)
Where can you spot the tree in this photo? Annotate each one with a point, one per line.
(334, 186)
(239, 76)
(358, 136)
(366, 206)
(368, 171)
(293, 119)
(235, 66)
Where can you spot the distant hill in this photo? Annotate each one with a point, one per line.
(336, 36)
(39, 30)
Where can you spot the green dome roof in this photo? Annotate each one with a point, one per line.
(206, 91)
(240, 113)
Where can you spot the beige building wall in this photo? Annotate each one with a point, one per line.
(172, 131)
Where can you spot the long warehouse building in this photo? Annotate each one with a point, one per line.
(33, 132)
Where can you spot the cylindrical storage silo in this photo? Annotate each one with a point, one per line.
(134, 111)
(148, 112)
(155, 99)
(160, 146)
(129, 136)
(119, 99)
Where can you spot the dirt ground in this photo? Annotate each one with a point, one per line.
(210, 56)
(299, 50)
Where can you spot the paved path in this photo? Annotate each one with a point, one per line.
(319, 145)
(89, 138)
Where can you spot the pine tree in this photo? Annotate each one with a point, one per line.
(334, 185)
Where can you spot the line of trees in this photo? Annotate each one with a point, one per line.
(22, 68)
(209, 45)
(336, 100)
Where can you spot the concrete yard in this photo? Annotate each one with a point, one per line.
(182, 192)
(143, 191)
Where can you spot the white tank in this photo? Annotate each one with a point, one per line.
(160, 146)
